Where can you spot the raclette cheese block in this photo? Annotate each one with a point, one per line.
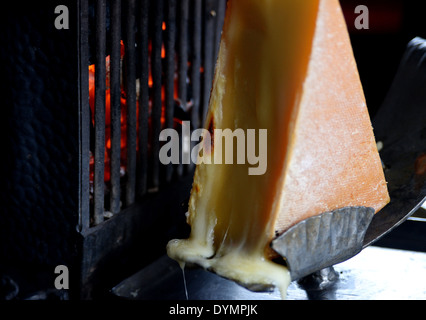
(286, 66)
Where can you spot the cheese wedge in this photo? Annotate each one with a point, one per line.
(286, 66)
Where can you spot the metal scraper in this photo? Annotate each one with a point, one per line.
(323, 240)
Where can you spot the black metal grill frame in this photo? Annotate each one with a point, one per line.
(137, 23)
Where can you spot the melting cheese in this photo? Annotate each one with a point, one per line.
(285, 66)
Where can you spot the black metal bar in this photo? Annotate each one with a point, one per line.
(84, 112)
(208, 43)
(115, 105)
(100, 73)
(157, 83)
(220, 17)
(183, 52)
(169, 46)
(130, 71)
(143, 98)
(196, 64)
(195, 77)
(182, 66)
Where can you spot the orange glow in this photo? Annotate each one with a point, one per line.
(163, 51)
(150, 81)
(123, 120)
(92, 69)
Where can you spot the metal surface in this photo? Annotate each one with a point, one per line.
(84, 117)
(143, 118)
(324, 240)
(115, 106)
(169, 72)
(130, 85)
(100, 87)
(196, 63)
(375, 273)
(156, 67)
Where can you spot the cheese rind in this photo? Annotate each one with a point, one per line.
(286, 66)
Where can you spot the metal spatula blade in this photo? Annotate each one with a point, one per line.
(323, 240)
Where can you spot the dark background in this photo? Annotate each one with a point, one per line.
(378, 50)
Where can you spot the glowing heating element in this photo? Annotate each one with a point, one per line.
(286, 66)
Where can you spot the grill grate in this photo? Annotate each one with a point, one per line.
(99, 116)
(163, 77)
(115, 107)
